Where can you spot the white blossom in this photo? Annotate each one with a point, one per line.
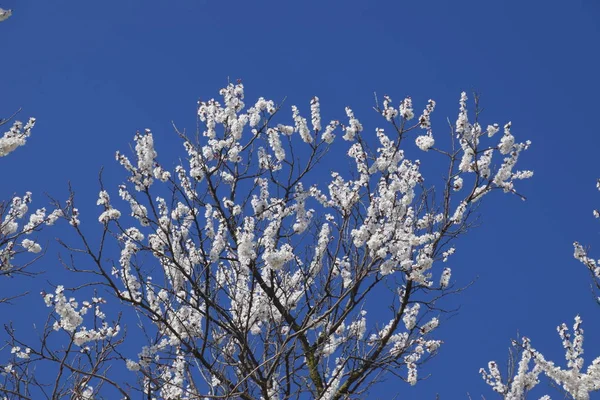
(388, 112)
(301, 126)
(354, 126)
(410, 316)
(31, 246)
(425, 119)
(276, 145)
(4, 14)
(457, 183)
(425, 142)
(17, 135)
(406, 110)
(315, 113)
(445, 278)
(328, 135)
(574, 381)
(507, 141)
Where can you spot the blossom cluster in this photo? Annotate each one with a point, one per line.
(574, 380)
(582, 256)
(13, 227)
(16, 136)
(70, 316)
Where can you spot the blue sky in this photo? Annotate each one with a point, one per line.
(93, 73)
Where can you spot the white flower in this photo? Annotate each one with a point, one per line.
(74, 221)
(301, 125)
(388, 111)
(445, 279)
(53, 217)
(4, 14)
(354, 127)
(448, 253)
(110, 214)
(70, 319)
(431, 325)
(492, 129)
(20, 354)
(425, 119)
(425, 142)
(328, 135)
(462, 121)
(275, 144)
(277, 258)
(459, 213)
(458, 183)
(132, 365)
(358, 327)
(88, 393)
(103, 198)
(31, 246)
(507, 141)
(406, 110)
(315, 114)
(18, 134)
(410, 316)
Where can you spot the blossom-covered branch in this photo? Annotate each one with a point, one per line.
(576, 383)
(17, 224)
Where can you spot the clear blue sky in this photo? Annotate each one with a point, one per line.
(95, 72)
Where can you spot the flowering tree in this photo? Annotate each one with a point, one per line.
(576, 382)
(251, 277)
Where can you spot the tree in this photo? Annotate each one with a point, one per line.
(576, 382)
(249, 276)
